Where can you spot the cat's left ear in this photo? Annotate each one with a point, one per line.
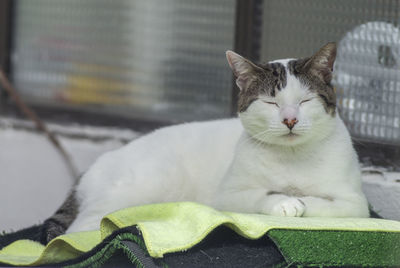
(244, 70)
(321, 63)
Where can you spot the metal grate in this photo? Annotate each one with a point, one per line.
(367, 69)
(151, 59)
(368, 81)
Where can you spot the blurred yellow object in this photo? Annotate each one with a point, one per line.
(85, 89)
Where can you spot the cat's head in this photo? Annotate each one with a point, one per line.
(286, 102)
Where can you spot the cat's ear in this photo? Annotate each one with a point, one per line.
(321, 63)
(243, 69)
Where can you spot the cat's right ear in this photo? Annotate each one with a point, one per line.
(321, 63)
(243, 69)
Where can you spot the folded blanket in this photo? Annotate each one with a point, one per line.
(175, 227)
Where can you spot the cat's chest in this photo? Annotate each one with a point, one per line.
(287, 172)
(288, 178)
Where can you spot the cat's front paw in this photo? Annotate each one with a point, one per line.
(290, 207)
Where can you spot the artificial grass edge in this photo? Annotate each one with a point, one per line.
(99, 258)
(338, 248)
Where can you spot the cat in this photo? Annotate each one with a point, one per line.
(287, 154)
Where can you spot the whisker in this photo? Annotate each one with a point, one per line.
(254, 137)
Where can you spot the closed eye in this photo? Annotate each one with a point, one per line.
(273, 103)
(305, 101)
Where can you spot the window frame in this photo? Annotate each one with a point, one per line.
(247, 38)
(6, 11)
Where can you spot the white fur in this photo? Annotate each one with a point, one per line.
(255, 169)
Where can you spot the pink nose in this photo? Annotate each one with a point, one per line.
(290, 122)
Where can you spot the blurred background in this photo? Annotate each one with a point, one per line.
(100, 73)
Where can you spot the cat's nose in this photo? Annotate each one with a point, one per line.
(290, 122)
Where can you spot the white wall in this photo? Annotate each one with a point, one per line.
(34, 180)
(383, 191)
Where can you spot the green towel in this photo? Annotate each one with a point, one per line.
(174, 227)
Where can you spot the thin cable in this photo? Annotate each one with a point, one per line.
(38, 122)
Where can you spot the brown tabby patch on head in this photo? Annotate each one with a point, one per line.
(324, 91)
(267, 79)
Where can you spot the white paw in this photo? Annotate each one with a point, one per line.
(290, 207)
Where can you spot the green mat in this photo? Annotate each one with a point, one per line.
(174, 227)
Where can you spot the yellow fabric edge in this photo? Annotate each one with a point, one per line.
(30, 250)
(249, 225)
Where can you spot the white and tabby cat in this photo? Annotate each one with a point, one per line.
(288, 154)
